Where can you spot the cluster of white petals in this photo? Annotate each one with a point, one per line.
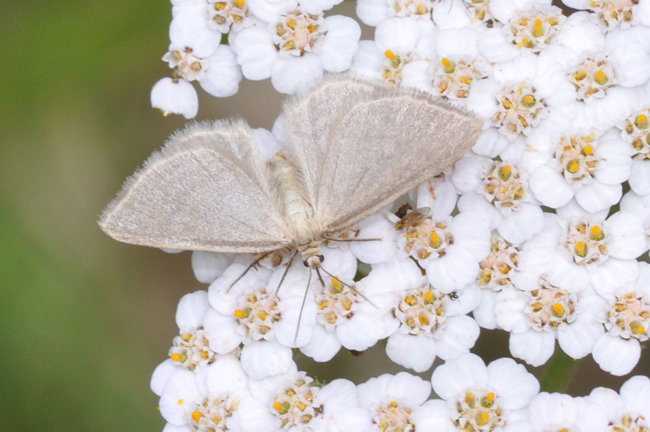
(540, 231)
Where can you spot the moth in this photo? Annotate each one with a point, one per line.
(352, 148)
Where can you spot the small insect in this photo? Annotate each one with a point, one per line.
(453, 295)
(353, 147)
(412, 219)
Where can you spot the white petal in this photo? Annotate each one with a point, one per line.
(296, 327)
(473, 202)
(533, 347)
(509, 311)
(471, 230)
(178, 397)
(375, 252)
(317, 6)
(372, 12)
(208, 266)
(191, 310)
(416, 74)
(468, 172)
(190, 30)
(361, 331)
(577, 340)
(453, 16)
(553, 409)
(609, 111)
(459, 336)
(484, 313)
(628, 236)
(636, 394)
(161, 376)
(256, 53)
(632, 64)
(440, 196)
(597, 196)
(368, 62)
(340, 44)
(408, 387)
(495, 47)
(413, 352)
(615, 355)
(323, 345)
(220, 330)
(338, 396)
(454, 270)
(270, 11)
(613, 275)
(263, 359)
(397, 34)
(550, 188)
(226, 375)
(522, 225)
(615, 168)
(640, 177)
(457, 42)
(457, 375)
(223, 74)
(296, 74)
(433, 416)
(512, 382)
(178, 97)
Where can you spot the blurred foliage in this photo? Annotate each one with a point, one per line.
(85, 319)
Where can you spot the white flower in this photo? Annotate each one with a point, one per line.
(636, 134)
(481, 398)
(422, 322)
(208, 266)
(189, 32)
(499, 189)
(297, 48)
(222, 73)
(553, 301)
(497, 273)
(627, 323)
(640, 206)
(448, 248)
(214, 400)
(398, 42)
(247, 313)
(628, 411)
(557, 411)
(611, 14)
(191, 348)
(295, 402)
(395, 402)
(528, 27)
(229, 15)
(480, 13)
(175, 96)
(588, 165)
(347, 316)
(373, 12)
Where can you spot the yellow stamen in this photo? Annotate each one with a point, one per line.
(505, 172)
(177, 357)
(529, 101)
(241, 314)
(196, 415)
(292, 24)
(421, 10)
(539, 28)
(241, 3)
(600, 77)
(391, 55)
(581, 249)
(596, 233)
(573, 166)
(641, 121)
(435, 241)
(588, 150)
(559, 310)
(428, 297)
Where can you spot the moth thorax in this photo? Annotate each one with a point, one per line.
(311, 254)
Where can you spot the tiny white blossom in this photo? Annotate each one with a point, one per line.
(175, 96)
(636, 134)
(395, 402)
(557, 411)
(628, 325)
(628, 411)
(482, 398)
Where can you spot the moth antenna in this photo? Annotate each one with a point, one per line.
(286, 270)
(353, 240)
(302, 306)
(319, 276)
(351, 287)
(253, 264)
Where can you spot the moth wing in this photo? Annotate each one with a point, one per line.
(309, 118)
(207, 189)
(382, 145)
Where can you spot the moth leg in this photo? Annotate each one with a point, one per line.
(286, 270)
(302, 306)
(352, 240)
(349, 286)
(253, 264)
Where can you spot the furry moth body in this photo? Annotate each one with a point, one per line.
(353, 147)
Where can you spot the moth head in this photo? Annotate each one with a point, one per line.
(314, 261)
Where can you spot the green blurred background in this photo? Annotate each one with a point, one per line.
(85, 319)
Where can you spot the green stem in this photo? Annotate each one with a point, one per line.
(558, 373)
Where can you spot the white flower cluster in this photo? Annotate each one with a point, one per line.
(529, 233)
(289, 41)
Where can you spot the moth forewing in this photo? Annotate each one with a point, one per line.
(207, 189)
